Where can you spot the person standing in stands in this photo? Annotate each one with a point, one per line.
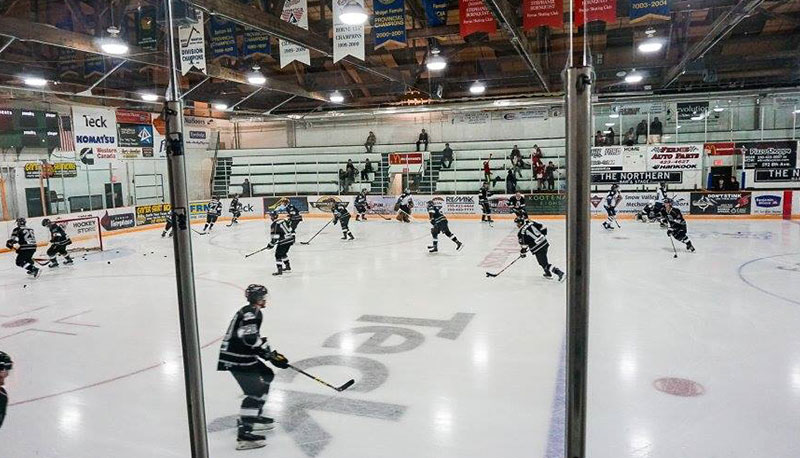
(630, 138)
(599, 139)
(734, 185)
(423, 138)
(247, 188)
(370, 142)
(610, 137)
(656, 130)
(641, 131)
(350, 172)
(447, 156)
(550, 175)
(487, 172)
(366, 170)
(511, 182)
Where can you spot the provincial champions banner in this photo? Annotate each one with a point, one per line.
(642, 10)
(537, 13)
(390, 22)
(595, 10)
(294, 12)
(475, 17)
(436, 12)
(222, 34)
(348, 40)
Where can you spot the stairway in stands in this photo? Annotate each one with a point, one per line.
(384, 171)
(431, 175)
(222, 177)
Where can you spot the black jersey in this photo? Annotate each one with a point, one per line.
(361, 201)
(483, 195)
(675, 219)
(516, 204)
(281, 233)
(58, 236)
(3, 405)
(236, 206)
(340, 211)
(532, 235)
(435, 214)
(243, 343)
(405, 200)
(24, 237)
(294, 213)
(214, 208)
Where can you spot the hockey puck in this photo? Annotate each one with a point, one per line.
(109, 262)
(24, 286)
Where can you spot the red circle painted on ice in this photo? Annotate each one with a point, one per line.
(18, 323)
(679, 387)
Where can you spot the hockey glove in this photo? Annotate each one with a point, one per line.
(335, 220)
(669, 232)
(270, 246)
(523, 252)
(278, 360)
(10, 244)
(264, 350)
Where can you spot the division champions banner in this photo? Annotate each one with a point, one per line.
(294, 12)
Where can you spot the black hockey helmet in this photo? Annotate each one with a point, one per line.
(5, 362)
(45, 222)
(519, 221)
(20, 222)
(614, 186)
(255, 293)
(668, 201)
(662, 184)
(273, 214)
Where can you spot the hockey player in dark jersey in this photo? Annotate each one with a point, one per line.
(5, 367)
(294, 216)
(677, 225)
(612, 199)
(483, 200)
(532, 237)
(403, 206)
(235, 209)
(59, 241)
(439, 223)
(241, 354)
(167, 226)
(25, 239)
(341, 215)
(517, 205)
(214, 210)
(361, 205)
(282, 238)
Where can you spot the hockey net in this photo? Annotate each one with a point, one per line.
(85, 233)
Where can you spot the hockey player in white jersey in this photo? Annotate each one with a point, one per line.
(612, 199)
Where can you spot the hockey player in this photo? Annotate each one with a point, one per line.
(361, 205)
(483, 200)
(612, 199)
(24, 237)
(658, 206)
(168, 226)
(340, 214)
(294, 216)
(241, 354)
(58, 243)
(532, 237)
(214, 210)
(404, 205)
(517, 205)
(677, 225)
(5, 367)
(439, 223)
(282, 238)
(235, 209)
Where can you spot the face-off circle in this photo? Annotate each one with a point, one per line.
(679, 387)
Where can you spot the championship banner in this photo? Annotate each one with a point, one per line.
(475, 17)
(93, 65)
(222, 34)
(256, 43)
(390, 22)
(436, 12)
(146, 36)
(348, 40)
(68, 65)
(95, 131)
(674, 157)
(719, 203)
(537, 13)
(193, 46)
(595, 10)
(294, 12)
(642, 10)
(769, 154)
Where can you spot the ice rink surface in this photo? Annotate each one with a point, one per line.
(697, 356)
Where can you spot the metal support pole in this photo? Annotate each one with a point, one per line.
(578, 81)
(182, 248)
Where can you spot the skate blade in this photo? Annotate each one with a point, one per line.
(259, 427)
(250, 445)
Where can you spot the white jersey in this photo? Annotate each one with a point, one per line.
(661, 194)
(405, 200)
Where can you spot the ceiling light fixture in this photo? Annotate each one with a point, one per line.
(611, 124)
(797, 111)
(477, 88)
(353, 14)
(256, 77)
(614, 115)
(633, 77)
(651, 46)
(148, 97)
(220, 106)
(337, 97)
(718, 109)
(112, 44)
(34, 81)
(436, 62)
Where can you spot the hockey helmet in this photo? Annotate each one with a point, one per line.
(5, 362)
(255, 293)
(20, 222)
(45, 222)
(614, 186)
(519, 221)
(273, 214)
(668, 201)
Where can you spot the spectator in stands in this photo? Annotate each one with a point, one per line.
(423, 138)
(733, 184)
(511, 182)
(447, 156)
(536, 156)
(366, 170)
(539, 174)
(630, 138)
(515, 154)
(721, 185)
(656, 130)
(599, 139)
(351, 171)
(370, 142)
(550, 175)
(343, 181)
(610, 137)
(641, 131)
(247, 188)
(487, 172)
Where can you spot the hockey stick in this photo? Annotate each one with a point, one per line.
(674, 250)
(198, 232)
(315, 235)
(379, 214)
(346, 385)
(491, 275)
(257, 251)
(615, 221)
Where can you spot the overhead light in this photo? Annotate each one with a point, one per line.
(606, 132)
(610, 124)
(353, 14)
(797, 111)
(436, 62)
(651, 46)
(501, 103)
(477, 88)
(621, 73)
(34, 81)
(148, 97)
(256, 77)
(337, 97)
(219, 106)
(633, 78)
(614, 115)
(718, 109)
(112, 44)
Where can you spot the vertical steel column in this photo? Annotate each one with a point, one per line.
(182, 248)
(578, 81)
